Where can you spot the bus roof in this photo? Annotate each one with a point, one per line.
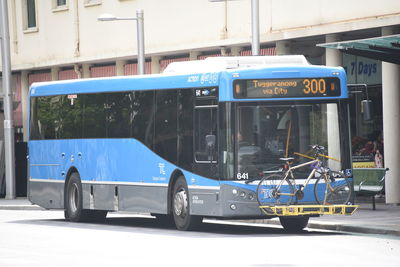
(217, 64)
(210, 72)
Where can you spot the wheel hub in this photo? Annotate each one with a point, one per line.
(299, 194)
(275, 194)
(180, 203)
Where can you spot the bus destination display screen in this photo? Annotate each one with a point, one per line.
(287, 88)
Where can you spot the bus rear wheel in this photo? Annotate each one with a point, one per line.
(73, 199)
(184, 221)
(74, 203)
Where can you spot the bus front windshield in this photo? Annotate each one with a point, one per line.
(265, 133)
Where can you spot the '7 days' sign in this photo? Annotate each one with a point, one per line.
(362, 70)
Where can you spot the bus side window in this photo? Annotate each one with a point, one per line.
(185, 129)
(45, 118)
(119, 114)
(143, 110)
(165, 138)
(71, 114)
(34, 133)
(94, 116)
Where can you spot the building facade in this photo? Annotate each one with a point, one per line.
(62, 39)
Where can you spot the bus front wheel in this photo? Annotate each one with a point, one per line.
(294, 224)
(184, 221)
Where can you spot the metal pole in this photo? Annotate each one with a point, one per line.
(140, 41)
(8, 103)
(255, 28)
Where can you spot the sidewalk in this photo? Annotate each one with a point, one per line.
(384, 220)
(20, 203)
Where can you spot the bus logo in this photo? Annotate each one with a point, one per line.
(162, 168)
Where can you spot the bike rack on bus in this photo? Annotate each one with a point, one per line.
(296, 210)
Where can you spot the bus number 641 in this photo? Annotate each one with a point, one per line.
(242, 176)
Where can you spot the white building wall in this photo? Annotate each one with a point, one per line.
(51, 43)
(292, 14)
(74, 35)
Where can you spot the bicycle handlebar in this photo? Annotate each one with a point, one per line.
(318, 153)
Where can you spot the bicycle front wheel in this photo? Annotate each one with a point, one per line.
(273, 190)
(333, 188)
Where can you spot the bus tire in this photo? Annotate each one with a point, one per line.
(294, 224)
(73, 199)
(184, 221)
(74, 203)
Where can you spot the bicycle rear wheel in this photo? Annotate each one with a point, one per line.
(334, 189)
(271, 193)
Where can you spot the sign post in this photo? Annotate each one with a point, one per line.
(140, 35)
(8, 103)
(255, 28)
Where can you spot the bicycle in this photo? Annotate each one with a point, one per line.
(330, 187)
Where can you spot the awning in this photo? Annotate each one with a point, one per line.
(385, 48)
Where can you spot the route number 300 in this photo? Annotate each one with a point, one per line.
(314, 86)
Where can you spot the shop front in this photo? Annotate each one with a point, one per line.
(364, 77)
(373, 71)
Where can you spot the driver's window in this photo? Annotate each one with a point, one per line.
(264, 134)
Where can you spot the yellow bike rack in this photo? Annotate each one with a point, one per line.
(296, 210)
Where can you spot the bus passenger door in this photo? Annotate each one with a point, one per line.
(205, 140)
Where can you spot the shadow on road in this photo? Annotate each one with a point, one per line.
(151, 225)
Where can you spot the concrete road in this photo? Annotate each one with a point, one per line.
(43, 238)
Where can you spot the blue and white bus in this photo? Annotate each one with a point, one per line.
(184, 145)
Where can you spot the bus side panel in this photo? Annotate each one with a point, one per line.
(239, 201)
(104, 196)
(134, 198)
(142, 198)
(204, 201)
(45, 159)
(46, 183)
(49, 195)
(116, 174)
(122, 174)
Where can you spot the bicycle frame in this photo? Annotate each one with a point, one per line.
(290, 171)
(336, 191)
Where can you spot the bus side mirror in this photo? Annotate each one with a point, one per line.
(210, 141)
(366, 107)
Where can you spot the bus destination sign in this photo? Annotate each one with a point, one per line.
(287, 88)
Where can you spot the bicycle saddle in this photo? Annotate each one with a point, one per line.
(286, 159)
